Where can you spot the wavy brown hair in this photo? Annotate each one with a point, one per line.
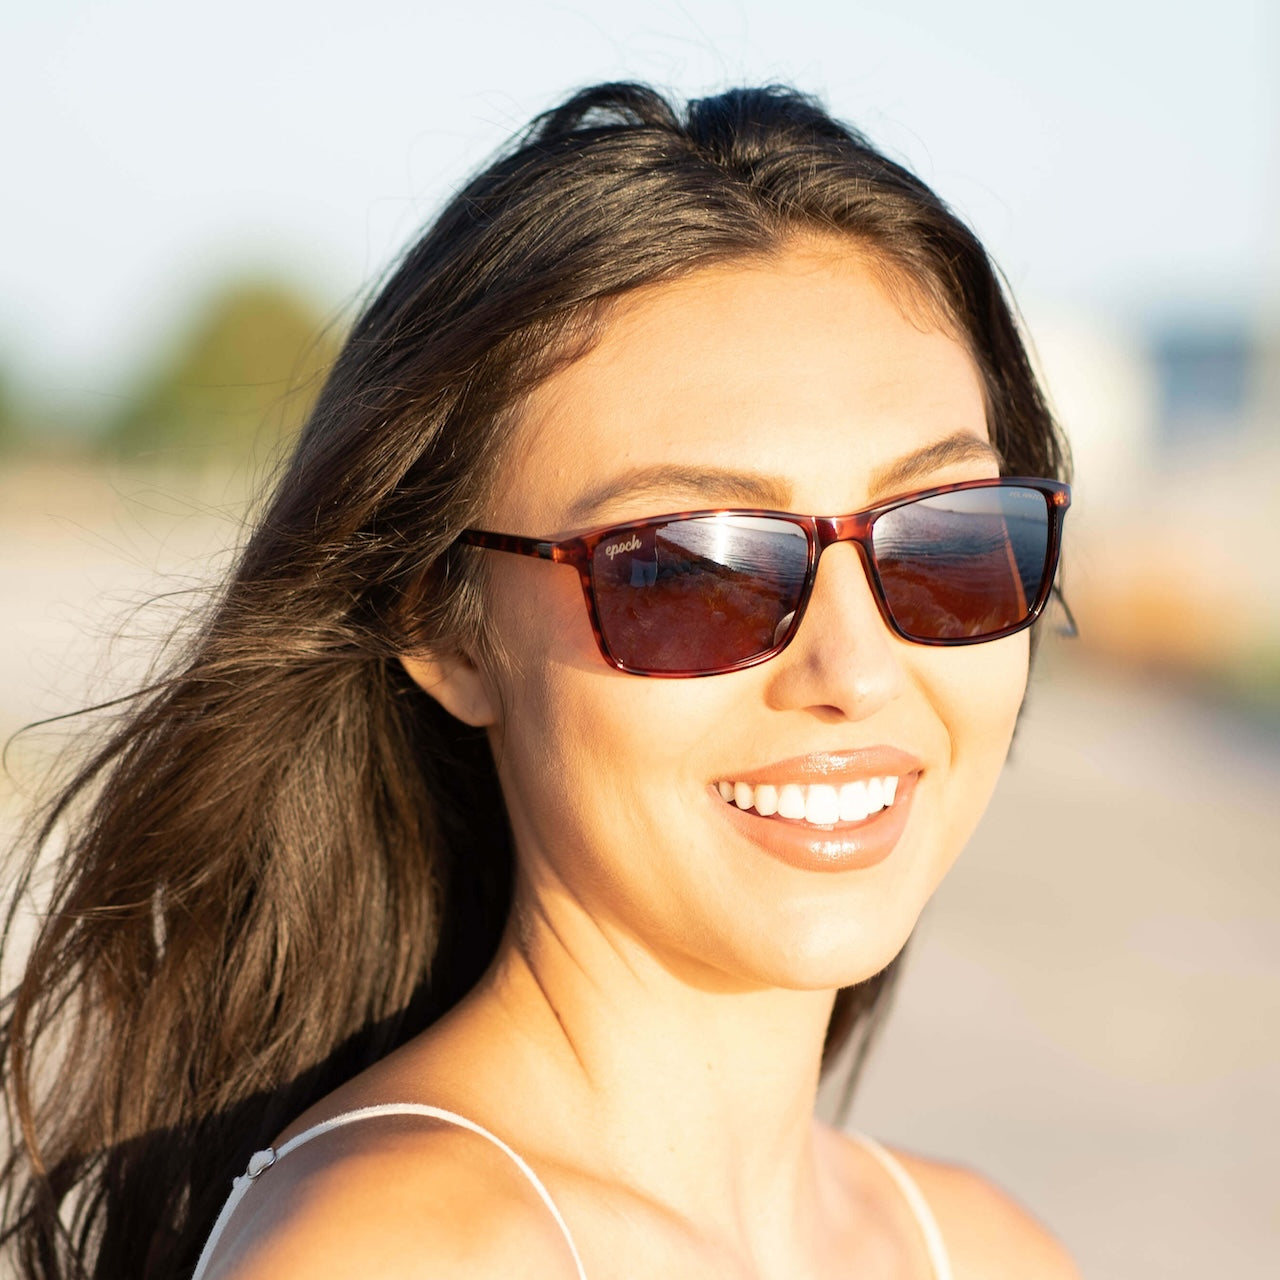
(285, 860)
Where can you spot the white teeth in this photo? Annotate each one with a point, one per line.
(822, 806)
(791, 801)
(854, 802)
(819, 804)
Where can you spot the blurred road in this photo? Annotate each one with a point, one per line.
(1090, 1010)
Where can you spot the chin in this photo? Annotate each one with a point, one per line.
(847, 966)
(823, 954)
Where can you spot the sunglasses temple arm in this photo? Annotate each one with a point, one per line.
(1067, 627)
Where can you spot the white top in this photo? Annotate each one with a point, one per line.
(261, 1161)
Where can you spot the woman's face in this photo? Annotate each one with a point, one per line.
(799, 383)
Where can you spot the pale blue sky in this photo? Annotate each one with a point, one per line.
(1113, 155)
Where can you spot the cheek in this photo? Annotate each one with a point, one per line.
(977, 692)
(596, 783)
(575, 735)
(604, 774)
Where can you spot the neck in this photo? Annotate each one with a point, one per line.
(698, 1096)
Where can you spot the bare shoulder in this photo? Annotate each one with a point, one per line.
(989, 1236)
(404, 1199)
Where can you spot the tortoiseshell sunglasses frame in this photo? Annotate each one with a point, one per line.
(820, 532)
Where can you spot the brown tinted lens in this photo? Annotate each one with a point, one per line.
(963, 565)
(698, 595)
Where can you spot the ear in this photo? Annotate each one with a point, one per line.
(456, 683)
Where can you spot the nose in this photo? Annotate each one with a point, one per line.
(843, 661)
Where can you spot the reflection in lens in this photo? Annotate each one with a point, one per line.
(690, 595)
(964, 564)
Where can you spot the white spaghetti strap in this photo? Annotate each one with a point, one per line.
(938, 1258)
(263, 1160)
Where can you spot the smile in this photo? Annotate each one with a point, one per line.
(815, 804)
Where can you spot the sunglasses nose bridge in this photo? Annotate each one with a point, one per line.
(829, 530)
(845, 659)
(856, 528)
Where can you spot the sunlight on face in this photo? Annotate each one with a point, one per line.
(801, 380)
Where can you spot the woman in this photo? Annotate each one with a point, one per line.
(426, 890)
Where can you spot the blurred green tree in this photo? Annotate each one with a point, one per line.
(244, 375)
(10, 433)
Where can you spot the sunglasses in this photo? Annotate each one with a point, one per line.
(700, 593)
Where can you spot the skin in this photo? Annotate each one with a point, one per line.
(650, 1035)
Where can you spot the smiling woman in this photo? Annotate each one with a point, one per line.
(498, 913)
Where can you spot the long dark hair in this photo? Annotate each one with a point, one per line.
(285, 860)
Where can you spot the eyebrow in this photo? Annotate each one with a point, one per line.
(709, 486)
(960, 447)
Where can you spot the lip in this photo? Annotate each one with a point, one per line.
(832, 766)
(844, 846)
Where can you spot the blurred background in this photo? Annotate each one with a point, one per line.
(196, 199)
